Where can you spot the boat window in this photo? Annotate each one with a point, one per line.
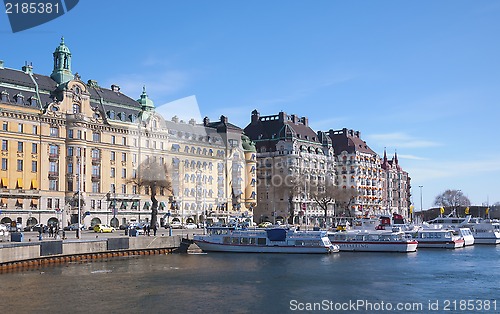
(261, 241)
(235, 240)
(244, 240)
(251, 240)
(227, 240)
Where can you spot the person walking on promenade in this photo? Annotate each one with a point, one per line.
(51, 231)
(145, 229)
(148, 229)
(40, 233)
(155, 227)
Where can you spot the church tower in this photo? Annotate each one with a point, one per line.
(62, 64)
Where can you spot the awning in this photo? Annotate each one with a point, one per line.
(3, 201)
(4, 182)
(19, 183)
(135, 204)
(34, 202)
(19, 202)
(124, 205)
(162, 204)
(34, 184)
(146, 205)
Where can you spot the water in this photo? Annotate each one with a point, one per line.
(261, 283)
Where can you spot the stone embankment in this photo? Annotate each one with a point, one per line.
(26, 255)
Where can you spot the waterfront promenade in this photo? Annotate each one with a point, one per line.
(32, 251)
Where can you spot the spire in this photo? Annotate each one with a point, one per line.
(385, 155)
(62, 64)
(146, 103)
(396, 157)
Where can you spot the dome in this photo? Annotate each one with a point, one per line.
(62, 48)
(145, 102)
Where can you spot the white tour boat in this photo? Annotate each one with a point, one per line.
(272, 240)
(373, 241)
(438, 238)
(457, 224)
(485, 231)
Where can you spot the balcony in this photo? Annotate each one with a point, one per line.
(96, 177)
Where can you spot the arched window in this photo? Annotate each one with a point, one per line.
(76, 108)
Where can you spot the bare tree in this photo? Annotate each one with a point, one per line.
(344, 198)
(153, 176)
(323, 193)
(452, 199)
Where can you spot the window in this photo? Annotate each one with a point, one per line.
(70, 186)
(53, 167)
(95, 154)
(113, 158)
(124, 156)
(54, 131)
(19, 165)
(5, 146)
(4, 163)
(113, 139)
(5, 126)
(79, 132)
(134, 189)
(34, 148)
(70, 167)
(124, 173)
(124, 188)
(35, 129)
(112, 188)
(96, 137)
(135, 142)
(19, 147)
(134, 173)
(20, 128)
(70, 134)
(124, 140)
(53, 150)
(96, 170)
(76, 108)
(34, 166)
(70, 151)
(53, 186)
(134, 158)
(49, 203)
(95, 187)
(112, 173)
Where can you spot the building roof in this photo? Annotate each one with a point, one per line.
(349, 141)
(267, 130)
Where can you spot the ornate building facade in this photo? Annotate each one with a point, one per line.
(396, 196)
(288, 148)
(70, 147)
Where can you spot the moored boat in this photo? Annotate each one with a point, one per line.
(373, 241)
(438, 238)
(273, 240)
(485, 231)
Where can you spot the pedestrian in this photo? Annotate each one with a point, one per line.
(51, 231)
(148, 228)
(145, 229)
(40, 233)
(155, 227)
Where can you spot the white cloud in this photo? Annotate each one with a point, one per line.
(412, 157)
(400, 140)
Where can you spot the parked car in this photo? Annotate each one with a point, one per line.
(265, 224)
(37, 228)
(190, 225)
(73, 227)
(176, 225)
(137, 226)
(103, 228)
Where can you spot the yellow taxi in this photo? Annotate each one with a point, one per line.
(103, 228)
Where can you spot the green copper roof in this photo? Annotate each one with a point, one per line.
(146, 103)
(62, 47)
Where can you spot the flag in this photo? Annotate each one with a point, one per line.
(487, 211)
(411, 209)
(467, 210)
(441, 210)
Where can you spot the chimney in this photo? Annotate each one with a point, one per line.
(115, 88)
(206, 121)
(282, 116)
(358, 134)
(255, 116)
(27, 68)
(304, 121)
(223, 119)
(295, 119)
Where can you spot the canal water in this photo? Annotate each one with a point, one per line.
(431, 280)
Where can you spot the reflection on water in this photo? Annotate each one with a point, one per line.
(251, 283)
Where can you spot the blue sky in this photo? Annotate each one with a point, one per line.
(417, 77)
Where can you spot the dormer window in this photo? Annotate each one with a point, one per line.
(4, 96)
(111, 114)
(19, 99)
(33, 101)
(76, 108)
(133, 117)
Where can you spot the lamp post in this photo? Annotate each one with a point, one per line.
(79, 195)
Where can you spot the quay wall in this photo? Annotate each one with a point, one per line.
(14, 253)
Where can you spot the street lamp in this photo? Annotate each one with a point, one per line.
(421, 199)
